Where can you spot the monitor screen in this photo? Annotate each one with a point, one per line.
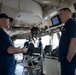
(55, 20)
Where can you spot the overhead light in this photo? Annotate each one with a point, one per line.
(53, 13)
(46, 18)
(46, 1)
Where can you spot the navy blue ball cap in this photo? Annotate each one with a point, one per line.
(3, 15)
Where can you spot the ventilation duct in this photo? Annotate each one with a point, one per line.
(25, 10)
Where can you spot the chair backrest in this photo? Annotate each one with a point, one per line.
(55, 52)
(48, 49)
(37, 50)
(31, 48)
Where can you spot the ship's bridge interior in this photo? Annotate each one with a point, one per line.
(32, 13)
(35, 19)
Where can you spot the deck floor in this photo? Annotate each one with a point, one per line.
(19, 69)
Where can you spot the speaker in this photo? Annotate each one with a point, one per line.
(74, 6)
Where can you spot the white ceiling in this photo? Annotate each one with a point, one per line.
(33, 13)
(28, 13)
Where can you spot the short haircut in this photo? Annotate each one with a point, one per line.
(66, 9)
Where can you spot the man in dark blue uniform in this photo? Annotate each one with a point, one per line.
(67, 44)
(40, 45)
(6, 47)
(26, 44)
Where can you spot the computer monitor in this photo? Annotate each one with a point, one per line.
(30, 48)
(55, 20)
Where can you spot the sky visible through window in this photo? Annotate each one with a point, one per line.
(45, 41)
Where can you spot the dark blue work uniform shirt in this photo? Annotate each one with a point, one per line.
(40, 45)
(68, 32)
(26, 44)
(6, 60)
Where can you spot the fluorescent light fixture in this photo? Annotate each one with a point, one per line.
(46, 1)
(53, 13)
(46, 18)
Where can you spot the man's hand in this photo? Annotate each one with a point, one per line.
(24, 50)
(72, 49)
